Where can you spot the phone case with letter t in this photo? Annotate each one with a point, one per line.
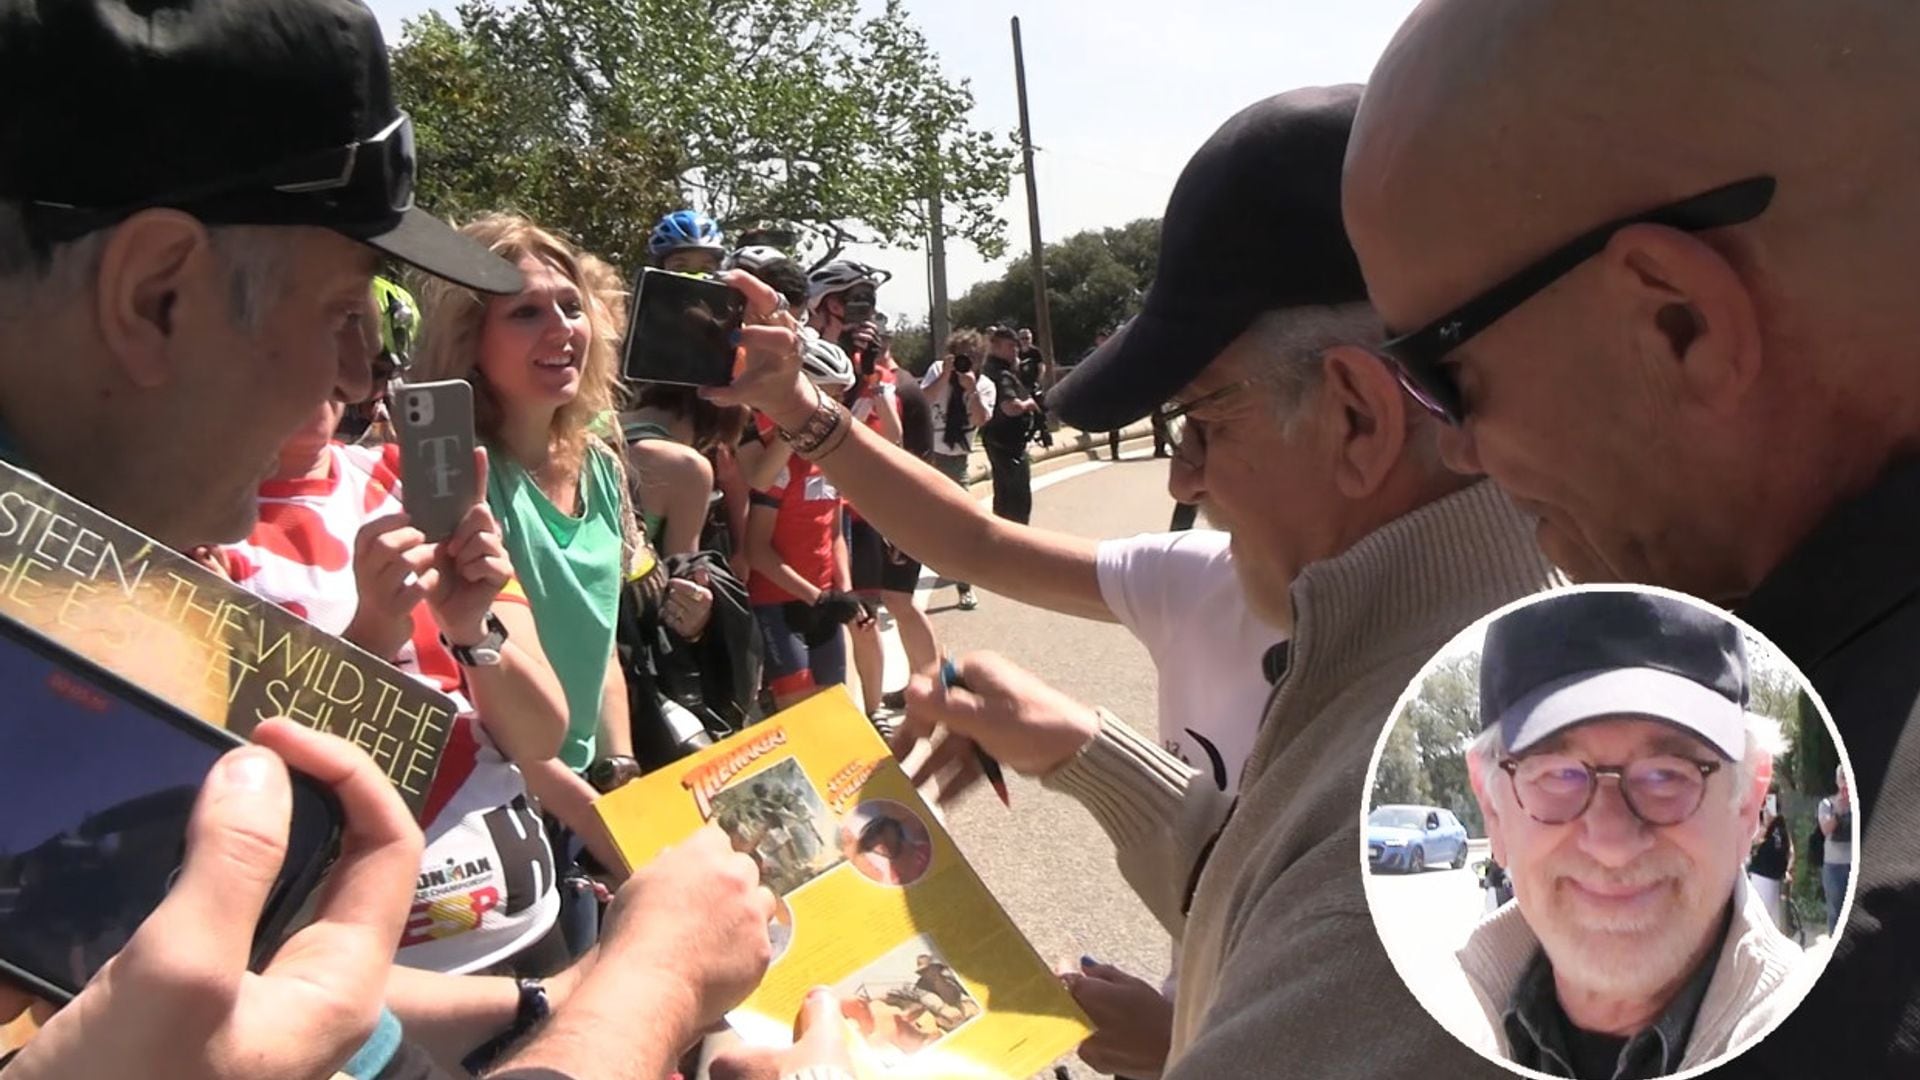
(434, 421)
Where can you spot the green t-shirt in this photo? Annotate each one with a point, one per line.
(570, 569)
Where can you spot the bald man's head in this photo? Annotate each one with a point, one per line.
(1683, 406)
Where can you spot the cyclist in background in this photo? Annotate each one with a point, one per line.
(841, 296)
(687, 242)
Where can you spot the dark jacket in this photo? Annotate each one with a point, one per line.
(1004, 431)
(1846, 607)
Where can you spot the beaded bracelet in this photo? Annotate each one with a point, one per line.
(824, 430)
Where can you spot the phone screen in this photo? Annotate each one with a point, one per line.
(683, 330)
(96, 785)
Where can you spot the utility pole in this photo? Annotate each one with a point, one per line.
(938, 315)
(1043, 330)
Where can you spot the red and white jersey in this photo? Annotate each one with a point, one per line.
(487, 885)
(881, 393)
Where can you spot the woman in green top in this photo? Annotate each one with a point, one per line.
(544, 369)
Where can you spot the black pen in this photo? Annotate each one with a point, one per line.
(950, 679)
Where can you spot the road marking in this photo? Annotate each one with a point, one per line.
(929, 579)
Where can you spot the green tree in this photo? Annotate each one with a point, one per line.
(1444, 718)
(1400, 779)
(913, 346)
(598, 116)
(1095, 280)
(1812, 757)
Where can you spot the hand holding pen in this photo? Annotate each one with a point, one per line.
(949, 680)
(991, 708)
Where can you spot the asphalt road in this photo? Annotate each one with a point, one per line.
(1424, 918)
(1046, 860)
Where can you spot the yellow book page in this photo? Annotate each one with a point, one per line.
(876, 901)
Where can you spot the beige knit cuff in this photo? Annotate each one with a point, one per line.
(1130, 785)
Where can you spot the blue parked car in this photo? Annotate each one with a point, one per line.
(1412, 838)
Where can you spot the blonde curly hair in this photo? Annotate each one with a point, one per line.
(452, 315)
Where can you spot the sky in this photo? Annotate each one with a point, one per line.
(1121, 94)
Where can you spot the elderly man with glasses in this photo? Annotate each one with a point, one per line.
(1345, 525)
(1621, 776)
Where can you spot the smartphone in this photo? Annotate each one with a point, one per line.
(434, 424)
(1773, 806)
(97, 782)
(683, 330)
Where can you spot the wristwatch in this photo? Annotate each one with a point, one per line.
(533, 1008)
(609, 774)
(482, 653)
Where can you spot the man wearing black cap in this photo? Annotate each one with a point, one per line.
(1344, 524)
(194, 198)
(1004, 437)
(1634, 948)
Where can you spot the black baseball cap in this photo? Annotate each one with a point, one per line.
(241, 112)
(1573, 657)
(1253, 225)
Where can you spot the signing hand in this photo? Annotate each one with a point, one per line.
(179, 1002)
(1024, 723)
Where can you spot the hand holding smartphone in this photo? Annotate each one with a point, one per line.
(434, 424)
(98, 783)
(179, 1004)
(683, 330)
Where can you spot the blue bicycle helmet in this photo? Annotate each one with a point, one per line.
(684, 229)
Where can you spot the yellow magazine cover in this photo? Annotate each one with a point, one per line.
(875, 899)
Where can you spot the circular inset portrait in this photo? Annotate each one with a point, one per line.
(1609, 831)
(886, 842)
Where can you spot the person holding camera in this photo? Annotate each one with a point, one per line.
(1005, 434)
(960, 402)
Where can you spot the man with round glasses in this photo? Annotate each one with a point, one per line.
(1621, 776)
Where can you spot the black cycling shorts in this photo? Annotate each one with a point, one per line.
(867, 552)
(901, 574)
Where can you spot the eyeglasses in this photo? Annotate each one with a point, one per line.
(1418, 357)
(1189, 434)
(361, 181)
(1554, 789)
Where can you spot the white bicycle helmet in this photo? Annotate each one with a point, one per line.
(755, 257)
(824, 364)
(839, 276)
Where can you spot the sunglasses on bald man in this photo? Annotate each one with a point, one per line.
(1419, 357)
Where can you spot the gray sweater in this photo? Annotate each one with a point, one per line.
(1282, 974)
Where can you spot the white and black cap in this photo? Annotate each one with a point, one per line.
(1575, 657)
